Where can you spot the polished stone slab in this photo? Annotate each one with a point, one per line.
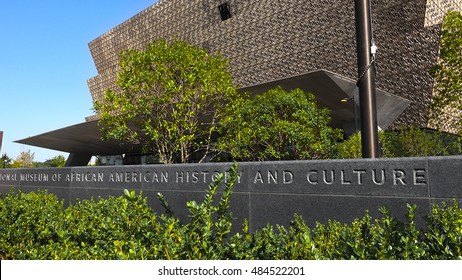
(265, 192)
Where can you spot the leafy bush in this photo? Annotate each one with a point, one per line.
(409, 142)
(278, 125)
(444, 235)
(415, 142)
(350, 148)
(205, 236)
(37, 226)
(108, 228)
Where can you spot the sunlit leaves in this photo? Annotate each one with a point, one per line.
(170, 96)
(278, 125)
(447, 102)
(37, 226)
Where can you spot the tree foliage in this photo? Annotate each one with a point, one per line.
(56, 161)
(406, 142)
(446, 108)
(170, 97)
(350, 148)
(6, 161)
(415, 142)
(278, 125)
(24, 160)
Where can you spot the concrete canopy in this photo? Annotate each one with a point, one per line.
(80, 138)
(84, 140)
(332, 90)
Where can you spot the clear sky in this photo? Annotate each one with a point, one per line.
(45, 63)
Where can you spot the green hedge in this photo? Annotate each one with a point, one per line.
(38, 226)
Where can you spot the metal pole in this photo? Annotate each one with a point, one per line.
(366, 80)
(355, 112)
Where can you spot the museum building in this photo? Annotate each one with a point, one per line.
(289, 43)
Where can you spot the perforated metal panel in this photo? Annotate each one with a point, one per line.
(436, 9)
(271, 39)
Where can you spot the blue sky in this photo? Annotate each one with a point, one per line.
(45, 64)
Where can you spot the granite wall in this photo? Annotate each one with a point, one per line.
(266, 192)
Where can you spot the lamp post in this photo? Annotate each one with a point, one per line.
(366, 79)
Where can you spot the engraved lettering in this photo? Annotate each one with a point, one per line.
(272, 177)
(228, 176)
(312, 177)
(147, 175)
(134, 177)
(288, 177)
(398, 177)
(8, 177)
(195, 177)
(374, 177)
(215, 176)
(179, 177)
(419, 177)
(360, 174)
(204, 176)
(34, 177)
(332, 177)
(343, 179)
(258, 178)
(163, 177)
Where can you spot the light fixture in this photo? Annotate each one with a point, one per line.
(346, 99)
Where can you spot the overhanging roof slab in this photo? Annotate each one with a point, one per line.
(81, 138)
(328, 87)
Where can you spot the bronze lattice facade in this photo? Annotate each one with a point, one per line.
(268, 40)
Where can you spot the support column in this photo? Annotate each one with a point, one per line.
(78, 159)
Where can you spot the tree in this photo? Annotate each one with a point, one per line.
(169, 100)
(446, 107)
(24, 160)
(278, 125)
(56, 161)
(6, 161)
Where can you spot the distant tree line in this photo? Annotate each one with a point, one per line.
(25, 159)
